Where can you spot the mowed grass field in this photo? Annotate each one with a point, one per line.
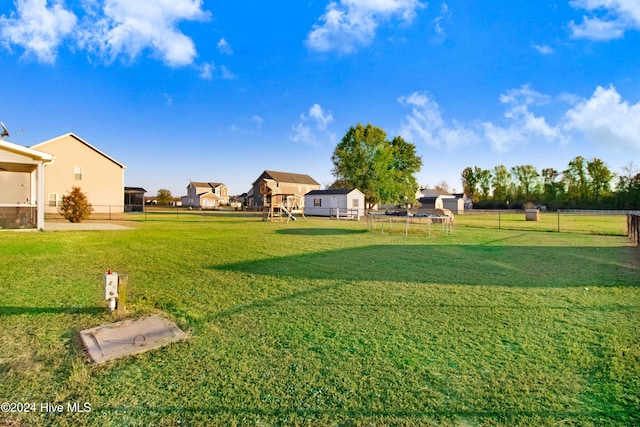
(326, 323)
(606, 224)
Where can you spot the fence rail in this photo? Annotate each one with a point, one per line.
(605, 222)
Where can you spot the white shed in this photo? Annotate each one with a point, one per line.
(343, 203)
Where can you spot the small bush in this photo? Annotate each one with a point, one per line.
(75, 206)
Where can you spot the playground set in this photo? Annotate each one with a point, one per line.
(277, 205)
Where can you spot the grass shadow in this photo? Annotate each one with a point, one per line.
(318, 231)
(14, 311)
(480, 265)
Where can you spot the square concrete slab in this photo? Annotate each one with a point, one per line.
(121, 339)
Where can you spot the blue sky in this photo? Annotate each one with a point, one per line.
(181, 90)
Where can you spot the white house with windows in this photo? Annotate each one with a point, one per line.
(335, 203)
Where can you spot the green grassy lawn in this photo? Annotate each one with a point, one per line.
(568, 222)
(326, 323)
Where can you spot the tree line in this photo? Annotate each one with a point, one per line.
(584, 184)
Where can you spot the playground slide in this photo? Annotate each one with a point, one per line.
(285, 210)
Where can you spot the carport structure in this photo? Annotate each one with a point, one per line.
(22, 195)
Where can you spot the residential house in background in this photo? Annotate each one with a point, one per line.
(206, 195)
(431, 198)
(80, 164)
(334, 203)
(22, 186)
(294, 184)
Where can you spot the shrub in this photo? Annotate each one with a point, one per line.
(75, 206)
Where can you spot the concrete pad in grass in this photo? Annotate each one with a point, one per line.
(128, 337)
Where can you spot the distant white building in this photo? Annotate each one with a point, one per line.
(431, 198)
(342, 203)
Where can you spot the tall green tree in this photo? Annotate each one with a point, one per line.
(628, 187)
(383, 170)
(527, 178)
(501, 182)
(164, 197)
(470, 182)
(600, 177)
(484, 182)
(552, 186)
(576, 179)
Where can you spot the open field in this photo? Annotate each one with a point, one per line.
(325, 323)
(608, 224)
(582, 223)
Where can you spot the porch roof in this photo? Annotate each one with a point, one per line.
(21, 158)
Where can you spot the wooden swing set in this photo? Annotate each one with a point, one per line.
(277, 205)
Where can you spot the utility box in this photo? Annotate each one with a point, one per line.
(110, 285)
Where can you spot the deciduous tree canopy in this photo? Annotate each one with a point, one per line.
(382, 169)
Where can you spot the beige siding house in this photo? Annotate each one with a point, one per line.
(286, 183)
(206, 195)
(79, 164)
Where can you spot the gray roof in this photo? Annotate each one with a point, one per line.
(331, 191)
(291, 178)
(204, 184)
(134, 190)
(432, 192)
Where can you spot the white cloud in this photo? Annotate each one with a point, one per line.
(303, 134)
(224, 47)
(312, 128)
(543, 49)
(226, 74)
(617, 17)
(606, 119)
(524, 95)
(523, 125)
(38, 28)
(206, 70)
(257, 120)
(349, 24)
(425, 124)
(110, 28)
(440, 33)
(128, 28)
(322, 119)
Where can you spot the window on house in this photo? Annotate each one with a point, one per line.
(317, 203)
(55, 200)
(77, 171)
(355, 203)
